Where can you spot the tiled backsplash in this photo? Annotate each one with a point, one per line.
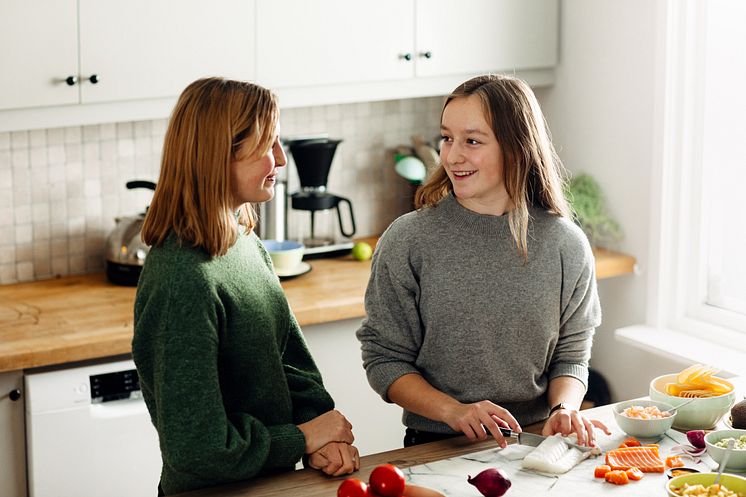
(60, 189)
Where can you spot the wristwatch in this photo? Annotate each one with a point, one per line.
(559, 406)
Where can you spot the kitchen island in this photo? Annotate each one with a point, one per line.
(445, 465)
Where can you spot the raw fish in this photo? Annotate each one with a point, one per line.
(554, 456)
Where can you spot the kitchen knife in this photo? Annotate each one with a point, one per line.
(533, 440)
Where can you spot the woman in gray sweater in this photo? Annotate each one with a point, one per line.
(482, 303)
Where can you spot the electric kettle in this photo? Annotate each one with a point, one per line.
(125, 251)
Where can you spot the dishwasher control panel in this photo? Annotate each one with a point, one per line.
(118, 385)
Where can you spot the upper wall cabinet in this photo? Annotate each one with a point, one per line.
(61, 52)
(333, 41)
(153, 48)
(73, 62)
(39, 51)
(481, 35)
(347, 50)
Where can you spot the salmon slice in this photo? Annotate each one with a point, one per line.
(646, 458)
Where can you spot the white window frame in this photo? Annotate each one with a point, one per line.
(677, 282)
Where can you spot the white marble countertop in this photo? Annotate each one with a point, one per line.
(449, 476)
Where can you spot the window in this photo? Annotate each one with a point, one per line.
(700, 239)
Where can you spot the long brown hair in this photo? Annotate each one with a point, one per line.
(534, 174)
(212, 119)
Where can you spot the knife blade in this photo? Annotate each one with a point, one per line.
(533, 440)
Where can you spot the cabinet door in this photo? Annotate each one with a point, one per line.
(12, 436)
(306, 43)
(38, 50)
(477, 36)
(154, 48)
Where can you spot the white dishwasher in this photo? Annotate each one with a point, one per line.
(88, 433)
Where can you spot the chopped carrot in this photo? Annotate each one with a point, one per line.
(674, 462)
(631, 442)
(634, 473)
(601, 471)
(617, 477)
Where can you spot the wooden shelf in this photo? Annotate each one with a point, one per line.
(610, 263)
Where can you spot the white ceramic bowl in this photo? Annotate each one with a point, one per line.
(737, 459)
(286, 255)
(699, 414)
(644, 428)
(731, 482)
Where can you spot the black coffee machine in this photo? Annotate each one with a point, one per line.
(313, 159)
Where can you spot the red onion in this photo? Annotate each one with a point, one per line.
(492, 482)
(696, 438)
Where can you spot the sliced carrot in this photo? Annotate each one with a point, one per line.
(617, 477)
(601, 471)
(634, 473)
(631, 442)
(674, 462)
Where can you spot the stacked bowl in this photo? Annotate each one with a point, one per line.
(698, 413)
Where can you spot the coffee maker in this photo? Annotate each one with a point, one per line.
(328, 237)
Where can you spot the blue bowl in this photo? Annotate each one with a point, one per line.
(281, 246)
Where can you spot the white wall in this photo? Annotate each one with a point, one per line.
(602, 115)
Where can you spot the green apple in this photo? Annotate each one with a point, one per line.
(362, 251)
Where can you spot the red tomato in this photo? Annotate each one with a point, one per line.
(352, 487)
(387, 481)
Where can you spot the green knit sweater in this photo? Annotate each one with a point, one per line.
(224, 369)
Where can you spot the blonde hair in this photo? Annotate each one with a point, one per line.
(212, 120)
(533, 172)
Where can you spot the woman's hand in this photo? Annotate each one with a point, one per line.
(479, 420)
(335, 459)
(567, 421)
(331, 426)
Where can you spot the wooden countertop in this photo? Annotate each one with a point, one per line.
(76, 318)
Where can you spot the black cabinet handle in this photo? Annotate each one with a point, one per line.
(427, 55)
(71, 80)
(406, 56)
(14, 395)
(94, 79)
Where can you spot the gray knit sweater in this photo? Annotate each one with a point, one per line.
(451, 298)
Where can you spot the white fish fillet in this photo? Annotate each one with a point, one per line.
(554, 456)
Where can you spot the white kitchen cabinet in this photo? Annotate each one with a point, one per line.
(142, 52)
(12, 436)
(341, 51)
(302, 43)
(39, 51)
(377, 425)
(485, 35)
(143, 49)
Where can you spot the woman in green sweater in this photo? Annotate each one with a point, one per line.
(226, 375)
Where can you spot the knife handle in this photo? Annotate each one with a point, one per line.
(507, 432)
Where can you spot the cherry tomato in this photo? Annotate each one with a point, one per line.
(352, 487)
(387, 481)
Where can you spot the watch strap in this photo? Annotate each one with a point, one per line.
(559, 406)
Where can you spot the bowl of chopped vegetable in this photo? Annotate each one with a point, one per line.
(645, 419)
(717, 442)
(701, 484)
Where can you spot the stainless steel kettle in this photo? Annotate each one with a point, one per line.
(125, 251)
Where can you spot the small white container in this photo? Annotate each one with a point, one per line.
(644, 428)
(286, 255)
